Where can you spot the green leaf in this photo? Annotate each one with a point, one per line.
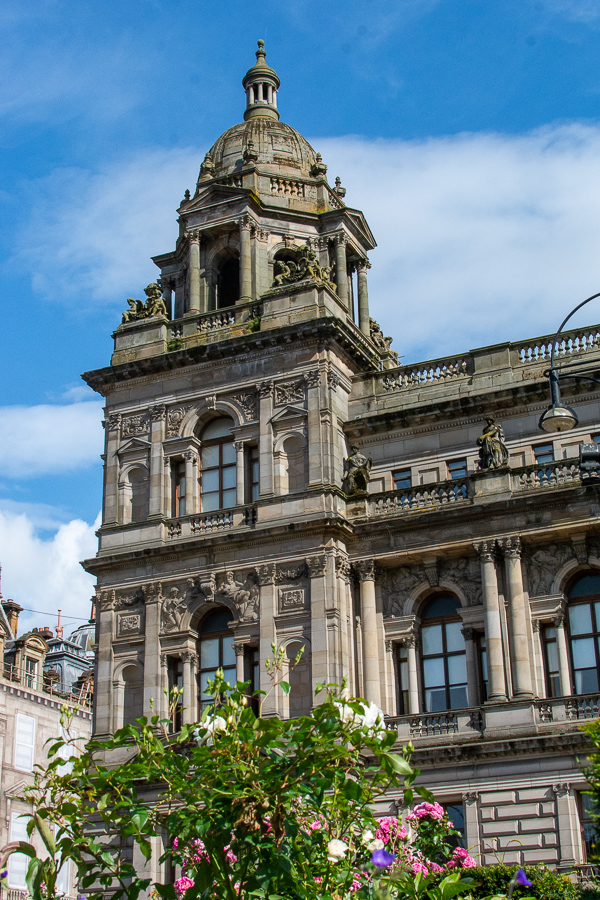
(45, 834)
(284, 687)
(399, 765)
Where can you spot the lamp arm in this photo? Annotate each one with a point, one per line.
(562, 325)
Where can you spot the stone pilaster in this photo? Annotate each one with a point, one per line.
(470, 637)
(368, 611)
(363, 298)
(103, 701)
(194, 267)
(563, 656)
(266, 441)
(112, 426)
(519, 630)
(414, 696)
(153, 686)
(190, 711)
(318, 621)
(493, 623)
(268, 633)
(157, 469)
(239, 472)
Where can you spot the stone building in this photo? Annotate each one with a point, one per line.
(31, 698)
(273, 475)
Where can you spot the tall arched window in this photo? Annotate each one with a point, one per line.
(443, 655)
(215, 646)
(217, 466)
(295, 465)
(584, 630)
(133, 694)
(138, 481)
(228, 282)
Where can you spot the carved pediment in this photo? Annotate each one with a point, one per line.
(288, 415)
(215, 193)
(360, 225)
(134, 448)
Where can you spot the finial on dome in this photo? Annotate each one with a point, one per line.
(261, 84)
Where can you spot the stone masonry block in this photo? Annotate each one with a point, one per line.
(507, 826)
(488, 815)
(524, 840)
(538, 824)
(518, 811)
(539, 793)
(547, 808)
(510, 858)
(550, 839)
(540, 856)
(497, 797)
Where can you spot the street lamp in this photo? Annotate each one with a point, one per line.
(559, 417)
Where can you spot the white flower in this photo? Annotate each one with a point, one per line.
(336, 850)
(375, 845)
(210, 725)
(367, 836)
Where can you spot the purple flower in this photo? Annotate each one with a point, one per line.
(4, 874)
(522, 879)
(382, 859)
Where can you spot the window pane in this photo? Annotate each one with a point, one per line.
(228, 454)
(586, 681)
(210, 502)
(210, 480)
(440, 606)
(229, 499)
(458, 698)
(457, 669)
(205, 677)
(435, 701)
(210, 456)
(484, 671)
(217, 428)
(583, 653)
(228, 654)
(585, 585)
(402, 479)
(454, 638)
(433, 672)
(580, 618)
(431, 637)
(209, 653)
(229, 674)
(552, 657)
(229, 477)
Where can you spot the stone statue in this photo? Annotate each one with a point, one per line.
(245, 595)
(154, 305)
(357, 471)
(172, 611)
(493, 452)
(306, 268)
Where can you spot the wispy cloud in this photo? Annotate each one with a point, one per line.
(49, 438)
(44, 573)
(482, 237)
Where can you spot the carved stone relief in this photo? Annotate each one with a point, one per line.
(543, 565)
(175, 417)
(123, 601)
(292, 599)
(134, 426)
(129, 624)
(245, 594)
(287, 572)
(289, 393)
(396, 585)
(466, 573)
(248, 403)
(172, 611)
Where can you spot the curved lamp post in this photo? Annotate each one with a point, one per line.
(559, 417)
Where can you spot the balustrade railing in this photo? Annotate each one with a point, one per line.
(438, 724)
(569, 344)
(212, 522)
(551, 474)
(42, 681)
(427, 373)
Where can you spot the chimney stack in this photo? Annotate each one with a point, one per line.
(12, 611)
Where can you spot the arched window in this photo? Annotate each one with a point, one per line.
(584, 630)
(139, 495)
(443, 655)
(217, 466)
(133, 694)
(295, 467)
(215, 646)
(228, 282)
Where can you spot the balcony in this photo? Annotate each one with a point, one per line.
(75, 694)
(201, 524)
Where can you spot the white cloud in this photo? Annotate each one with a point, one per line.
(482, 237)
(44, 574)
(49, 438)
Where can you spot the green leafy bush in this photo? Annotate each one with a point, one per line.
(546, 884)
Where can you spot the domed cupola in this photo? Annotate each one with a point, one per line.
(261, 84)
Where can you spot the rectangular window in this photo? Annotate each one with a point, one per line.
(30, 672)
(178, 489)
(551, 662)
(543, 453)
(456, 815)
(483, 669)
(587, 808)
(24, 742)
(66, 752)
(251, 488)
(18, 862)
(175, 680)
(402, 479)
(457, 468)
(595, 438)
(403, 697)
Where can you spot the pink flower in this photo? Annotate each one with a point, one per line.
(419, 867)
(389, 828)
(176, 843)
(182, 885)
(429, 810)
(435, 868)
(463, 858)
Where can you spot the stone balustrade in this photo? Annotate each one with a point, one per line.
(568, 709)
(426, 373)
(201, 524)
(548, 475)
(466, 723)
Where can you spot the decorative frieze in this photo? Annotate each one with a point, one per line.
(175, 417)
(245, 594)
(291, 600)
(248, 403)
(287, 572)
(129, 624)
(134, 426)
(292, 392)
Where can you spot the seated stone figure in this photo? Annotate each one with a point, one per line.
(154, 305)
(357, 471)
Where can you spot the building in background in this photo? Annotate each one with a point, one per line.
(31, 697)
(273, 475)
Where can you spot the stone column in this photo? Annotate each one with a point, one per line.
(564, 670)
(112, 426)
(240, 653)
(266, 441)
(493, 624)
(342, 569)
(191, 479)
(268, 633)
(511, 548)
(239, 473)
(391, 701)
(414, 702)
(540, 682)
(104, 701)
(469, 635)
(194, 264)
(368, 612)
(569, 834)
(152, 667)
(471, 812)
(157, 469)
(245, 261)
(363, 298)
(190, 712)
(341, 269)
(163, 708)
(318, 620)
(118, 699)
(167, 292)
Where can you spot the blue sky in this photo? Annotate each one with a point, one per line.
(467, 130)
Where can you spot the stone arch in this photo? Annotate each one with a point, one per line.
(199, 608)
(195, 419)
(569, 569)
(134, 493)
(223, 269)
(421, 593)
(290, 462)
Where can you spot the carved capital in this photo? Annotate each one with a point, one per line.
(468, 633)
(266, 573)
(333, 380)
(245, 223)
(158, 413)
(113, 421)
(265, 389)
(470, 797)
(316, 565)
(510, 547)
(194, 237)
(485, 550)
(536, 626)
(191, 456)
(362, 265)
(238, 445)
(365, 569)
(340, 238)
(563, 789)
(312, 378)
(239, 649)
(408, 640)
(389, 646)
(559, 620)
(188, 656)
(343, 567)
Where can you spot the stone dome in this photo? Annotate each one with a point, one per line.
(279, 148)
